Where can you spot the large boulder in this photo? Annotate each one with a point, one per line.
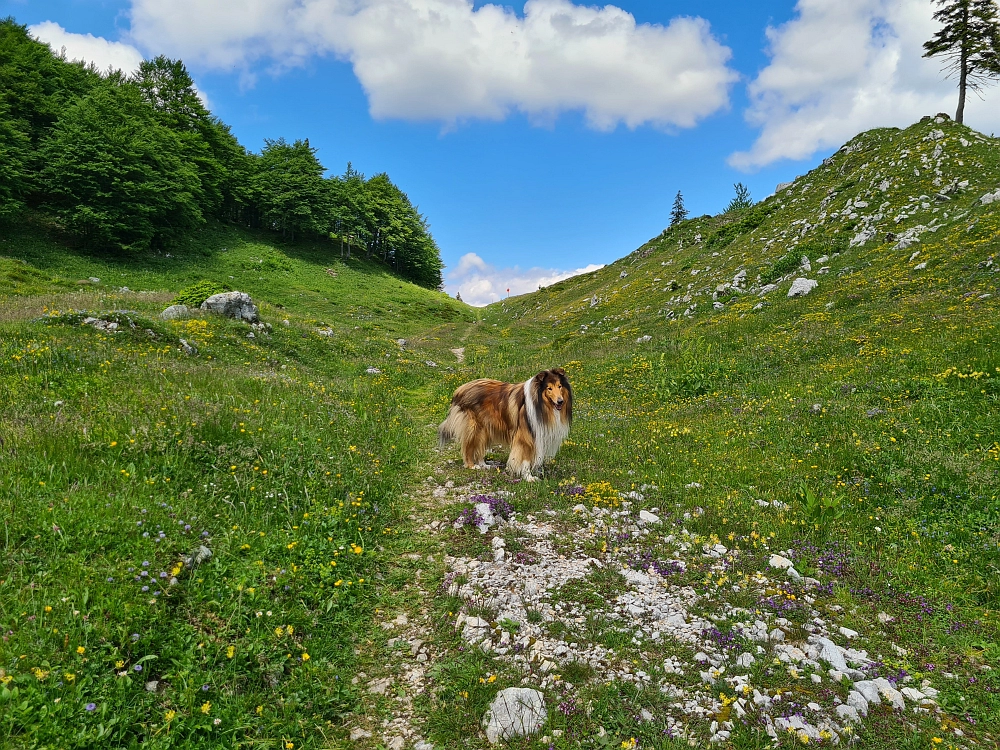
(236, 305)
(515, 712)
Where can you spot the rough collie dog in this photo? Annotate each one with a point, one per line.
(532, 418)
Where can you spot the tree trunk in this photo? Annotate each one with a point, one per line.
(963, 74)
(962, 84)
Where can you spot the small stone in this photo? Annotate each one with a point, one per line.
(831, 653)
(475, 629)
(745, 660)
(514, 712)
(782, 563)
(887, 691)
(848, 713)
(869, 690)
(777, 635)
(801, 287)
(848, 633)
(646, 517)
(913, 694)
(174, 312)
(359, 734)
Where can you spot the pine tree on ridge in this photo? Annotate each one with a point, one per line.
(678, 213)
(970, 41)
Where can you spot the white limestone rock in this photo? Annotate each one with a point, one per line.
(831, 653)
(515, 712)
(801, 287)
(175, 312)
(238, 305)
(648, 518)
(891, 695)
(782, 563)
(848, 713)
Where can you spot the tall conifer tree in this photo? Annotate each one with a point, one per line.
(678, 213)
(969, 40)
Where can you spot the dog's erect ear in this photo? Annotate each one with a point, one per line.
(559, 371)
(541, 377)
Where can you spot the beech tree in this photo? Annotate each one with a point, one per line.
(114, 176)
(969, 40)
(138, 161)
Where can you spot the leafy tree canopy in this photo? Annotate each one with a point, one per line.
(134, 161)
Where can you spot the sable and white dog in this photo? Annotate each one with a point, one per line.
(532, 418)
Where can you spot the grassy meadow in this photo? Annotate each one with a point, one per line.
(855, 429)
(122, 456)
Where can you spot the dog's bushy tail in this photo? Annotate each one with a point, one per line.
(452, 428)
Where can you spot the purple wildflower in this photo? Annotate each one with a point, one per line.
(90, 706)
(469, 517)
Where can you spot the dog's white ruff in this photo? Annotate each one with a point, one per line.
(548, 438)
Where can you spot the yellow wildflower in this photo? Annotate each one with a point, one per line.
(206, 707)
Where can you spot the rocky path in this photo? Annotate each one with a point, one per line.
(389, 687)
(602, 587)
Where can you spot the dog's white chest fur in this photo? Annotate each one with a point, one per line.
(548, 437)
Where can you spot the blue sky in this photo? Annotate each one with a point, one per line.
(529, 166)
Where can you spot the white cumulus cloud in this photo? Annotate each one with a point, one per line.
(843, 66)
(481, 283)
(445, 60)
(87, 47)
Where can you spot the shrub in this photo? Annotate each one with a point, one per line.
(197, 293)
(787, 262)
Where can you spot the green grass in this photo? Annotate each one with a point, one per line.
(878, 391)
(904, 435)
(122, 455)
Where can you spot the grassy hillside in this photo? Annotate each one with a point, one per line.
(853, 431)
(122, 456)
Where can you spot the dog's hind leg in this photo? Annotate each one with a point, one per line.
(474, 446)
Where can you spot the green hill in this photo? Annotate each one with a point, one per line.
(851, 433)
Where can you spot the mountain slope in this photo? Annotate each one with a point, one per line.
(852, 432)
